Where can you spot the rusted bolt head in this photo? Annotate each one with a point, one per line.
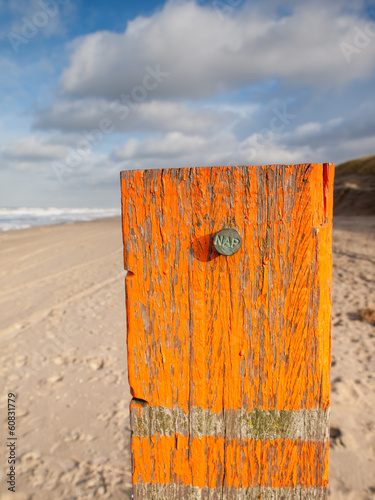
(227, 241)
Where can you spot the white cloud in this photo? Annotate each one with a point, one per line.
(147, 116)
(302, 145)
(177, 150)
(205, 55)
(311, 130)
(339, 130)
(32, 149)
(335, 140)
(171, 145)
(39, 153)
(276, 153)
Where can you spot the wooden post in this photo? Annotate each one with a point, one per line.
(229, 356)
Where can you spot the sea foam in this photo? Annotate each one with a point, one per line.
(24, 217)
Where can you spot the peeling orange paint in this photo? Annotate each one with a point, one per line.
(246, 331)
(280, 463)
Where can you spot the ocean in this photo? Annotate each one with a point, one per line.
(24, 217)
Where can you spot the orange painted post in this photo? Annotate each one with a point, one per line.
(229, 355)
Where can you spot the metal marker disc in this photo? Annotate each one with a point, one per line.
(227, 241)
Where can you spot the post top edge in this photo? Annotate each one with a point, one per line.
(123, 173)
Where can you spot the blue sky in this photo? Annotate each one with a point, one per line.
(91, 88)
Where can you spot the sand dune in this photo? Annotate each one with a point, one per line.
(355, 187)
(360, 166)
(63, 353)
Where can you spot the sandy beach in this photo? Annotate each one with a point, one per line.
(63, 353)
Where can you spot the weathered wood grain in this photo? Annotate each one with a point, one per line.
(229, 356)
(306, 425)
(167, 491)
